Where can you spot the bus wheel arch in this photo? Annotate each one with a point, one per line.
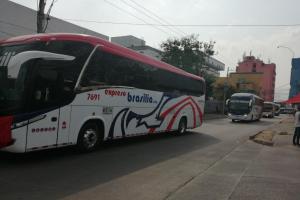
(91, 135)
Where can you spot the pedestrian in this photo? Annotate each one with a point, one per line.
(296, 137)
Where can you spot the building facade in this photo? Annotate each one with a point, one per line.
(295, 78)
(149, 51)
(250, 82)
(138, 45)
(250, 64)
(19, 20)
(128, 41)
(212, 66)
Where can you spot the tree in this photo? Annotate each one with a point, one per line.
(187, 53)
(209, 81)
(221, 88)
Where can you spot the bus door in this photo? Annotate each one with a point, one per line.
(44, 102)
(50, 128)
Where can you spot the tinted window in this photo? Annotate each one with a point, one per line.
(34, 85)
(108, 69)
(52, 84)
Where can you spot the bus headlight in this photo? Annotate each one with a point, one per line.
(245, 115)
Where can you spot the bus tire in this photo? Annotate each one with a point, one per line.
(90, 137)
(182, 126)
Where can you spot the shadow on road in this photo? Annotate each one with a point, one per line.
(262, 122)
(56, 173)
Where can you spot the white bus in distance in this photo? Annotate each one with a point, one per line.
(244, 107)
(68, 89)
(277, 109)
(269, 109)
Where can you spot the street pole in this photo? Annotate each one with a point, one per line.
(288, 48)
(41, 16)
(225, 90)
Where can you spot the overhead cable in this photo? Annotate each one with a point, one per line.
(129, 13)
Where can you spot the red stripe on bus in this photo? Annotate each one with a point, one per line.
(5, 131)
(176, 114)
(199, 110)
(169, 127)
(151, 130)
(194, 115)
(164, 114)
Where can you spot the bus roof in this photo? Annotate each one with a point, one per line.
(245, 95)
(105, 45)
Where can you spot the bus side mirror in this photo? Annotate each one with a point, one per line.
(227, 102)
(250, 103)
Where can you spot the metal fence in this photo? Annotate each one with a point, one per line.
(213, 107)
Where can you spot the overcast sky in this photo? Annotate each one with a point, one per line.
(231, 42)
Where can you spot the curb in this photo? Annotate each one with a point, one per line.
(264, 139)
(261, 140)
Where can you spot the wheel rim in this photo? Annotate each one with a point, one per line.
(90, 138)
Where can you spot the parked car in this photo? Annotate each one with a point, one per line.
(277, 109)
(287, 110)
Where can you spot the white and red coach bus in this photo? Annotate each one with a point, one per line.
(69, 89)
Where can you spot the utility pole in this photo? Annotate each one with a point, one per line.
(41, 16)
(225, 90)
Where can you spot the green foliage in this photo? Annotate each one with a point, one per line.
(209, 80)
(218, 91)
(187, 53)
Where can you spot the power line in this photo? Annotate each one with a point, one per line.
(147, 15)
(48, 15)
(187, 25)
(158, 17)
(151, 14)
(129, 13)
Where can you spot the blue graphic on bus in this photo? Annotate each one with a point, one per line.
(144, 98)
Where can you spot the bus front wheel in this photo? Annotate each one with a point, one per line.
(89, 137)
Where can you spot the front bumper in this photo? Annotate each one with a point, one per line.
(238, 117)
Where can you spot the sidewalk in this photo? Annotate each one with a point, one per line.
(275, 173)
(252, 171)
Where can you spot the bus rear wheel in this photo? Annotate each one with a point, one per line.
(89, 137)
(182, 126)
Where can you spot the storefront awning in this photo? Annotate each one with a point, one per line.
(295, 99)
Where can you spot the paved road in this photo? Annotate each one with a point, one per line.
(206, 163)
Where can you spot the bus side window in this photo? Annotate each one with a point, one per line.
(95, 73)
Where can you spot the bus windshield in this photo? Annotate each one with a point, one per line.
(267, 107)
(239, 105)
(15, 89)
